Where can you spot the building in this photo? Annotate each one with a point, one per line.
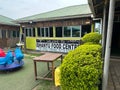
(9, 32)
(56, 31)
(109, 12)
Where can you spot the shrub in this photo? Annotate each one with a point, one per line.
(82, 68)
(92, 37)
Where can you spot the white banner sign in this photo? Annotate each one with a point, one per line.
(56, 45)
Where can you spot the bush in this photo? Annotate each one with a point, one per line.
(92, 37)
(82, 68)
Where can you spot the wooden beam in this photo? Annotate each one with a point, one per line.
(99, 5)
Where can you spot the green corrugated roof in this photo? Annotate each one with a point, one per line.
(71, 11)
(6, 21)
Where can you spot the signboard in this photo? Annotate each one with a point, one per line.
(57, 45)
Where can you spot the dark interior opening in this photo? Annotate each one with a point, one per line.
(58, 31)
(115, 45)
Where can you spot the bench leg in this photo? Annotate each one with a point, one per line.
(35, 70)
(52, 71)
(48, 66)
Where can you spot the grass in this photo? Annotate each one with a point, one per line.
(23, 78)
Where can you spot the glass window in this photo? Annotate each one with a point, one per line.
(46, 32)
(97, 27)
(38, 32)
(51, 31)
(30, 31)
(67, 31)
(33, 32)
(9, 34)
(3, 33)
(75, 31)
(58, 31)
(42, 32)
(14, 33)
(26, 30)
(18, 32)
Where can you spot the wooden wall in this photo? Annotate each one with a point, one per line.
(8, 42)
(63, 22)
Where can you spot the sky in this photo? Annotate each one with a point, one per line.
(21, 8)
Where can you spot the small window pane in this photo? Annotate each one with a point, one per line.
(38, 32)
(75, 31)
(51, 31)
(33, 32)
(67, 31)
(58, 31)
(26, 31)
(46, 32)
(14, 33)
(42, 30)
(30, 33)
(18, 33)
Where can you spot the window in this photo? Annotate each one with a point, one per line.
(42, 32)
(45, 32)
(58, 31)
(33, 32)
(9, 33)
(29, 32)
(72, 31)
(76, 31)
(38, 32)
(18, 32)
(14, 34)
(97, 27)
(67, 31)
(51, 31)
(3, 33)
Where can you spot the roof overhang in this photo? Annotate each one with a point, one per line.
(9, 24)
(97, 7)
(54, 18)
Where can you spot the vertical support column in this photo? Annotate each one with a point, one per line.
(92, 28)
(36, 32)
(54, 31)
(20, 34)
(25, 40)
(104, 31)
(108, 44)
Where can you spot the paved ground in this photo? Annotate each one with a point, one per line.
(114, 74)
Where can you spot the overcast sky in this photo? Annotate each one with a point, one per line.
(21, 8)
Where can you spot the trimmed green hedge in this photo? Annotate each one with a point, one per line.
(92, 37)
(82, 68)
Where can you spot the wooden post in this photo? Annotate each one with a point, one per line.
(36, 32)
(54, 32)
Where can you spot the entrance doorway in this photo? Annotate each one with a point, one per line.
(115, 46)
